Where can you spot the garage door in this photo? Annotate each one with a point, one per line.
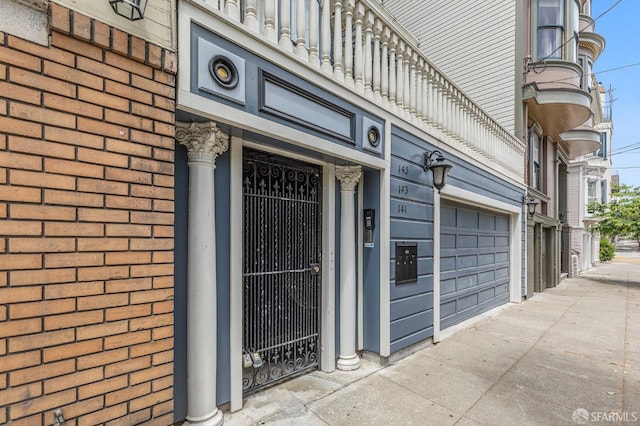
(474, 262)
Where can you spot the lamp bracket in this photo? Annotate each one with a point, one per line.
(429, 158)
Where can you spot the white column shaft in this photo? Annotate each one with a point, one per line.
(204, 142)
(348, 177)
(201, 298)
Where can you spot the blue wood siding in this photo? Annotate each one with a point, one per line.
(411, 210)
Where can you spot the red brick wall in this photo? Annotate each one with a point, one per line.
(86, 226)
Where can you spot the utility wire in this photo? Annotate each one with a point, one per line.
(633, 145)
(625, 151)
(598, 72)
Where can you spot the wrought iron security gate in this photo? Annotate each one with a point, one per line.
(281, 277)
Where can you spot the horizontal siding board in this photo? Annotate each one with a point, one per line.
(423, 285)
(411, 324)
(401, 343)
(411, 305)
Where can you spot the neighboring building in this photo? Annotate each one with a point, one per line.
(555, 42)
(589, 181)
(86, 213)
(561, 48)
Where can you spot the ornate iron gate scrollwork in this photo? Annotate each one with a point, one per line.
(282, 249)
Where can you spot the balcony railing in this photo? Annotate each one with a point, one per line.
(360, 45)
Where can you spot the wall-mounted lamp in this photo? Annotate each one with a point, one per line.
(439, 166)
(531, 203)
(130, 9)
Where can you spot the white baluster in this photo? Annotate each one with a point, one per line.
(455, 116)
(413, 93)
(419, 90)
(368, 59)
(301, 28)
(442, 101)
(407, 81)
(251, 15)
(231, 9)
(467, 123)
(348, 43)
(285, 25)
(377, 33)
(438, 102)
(400, 76)
(359, 56)
(393, 44)
(314, 33)
(269, 30)
(384, 68)
(337, 42)
(449, 110)
(325, 35)
(429, 105)
(445, 107)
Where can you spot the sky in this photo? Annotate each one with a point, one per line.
(620, 29)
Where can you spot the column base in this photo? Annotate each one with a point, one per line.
(214, 419)
(348, 363)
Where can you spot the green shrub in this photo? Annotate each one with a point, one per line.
(607, 250)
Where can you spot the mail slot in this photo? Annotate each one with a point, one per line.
(406, 262)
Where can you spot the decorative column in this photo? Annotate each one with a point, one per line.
(205, 142)
(348, 177)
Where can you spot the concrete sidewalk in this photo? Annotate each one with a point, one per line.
(570, 355)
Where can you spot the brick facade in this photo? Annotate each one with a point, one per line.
(86, 226)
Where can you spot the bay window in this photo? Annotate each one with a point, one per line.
(550, 14)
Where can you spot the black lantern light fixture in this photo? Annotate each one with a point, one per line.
(531, 203)
(435, 161)
(130, 9)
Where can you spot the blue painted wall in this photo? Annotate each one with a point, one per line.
(254, 65)
(222, 199)
(371, 266)
(412, 221)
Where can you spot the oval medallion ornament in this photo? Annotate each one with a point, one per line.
(223, 71)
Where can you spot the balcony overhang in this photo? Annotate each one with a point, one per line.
(558, 109)
(579, 142)
(593, 42)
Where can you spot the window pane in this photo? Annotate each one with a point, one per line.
(534, 141)
(550, 13)
(549, 42)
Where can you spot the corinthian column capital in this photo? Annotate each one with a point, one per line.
(204, 141)
(348, 177)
